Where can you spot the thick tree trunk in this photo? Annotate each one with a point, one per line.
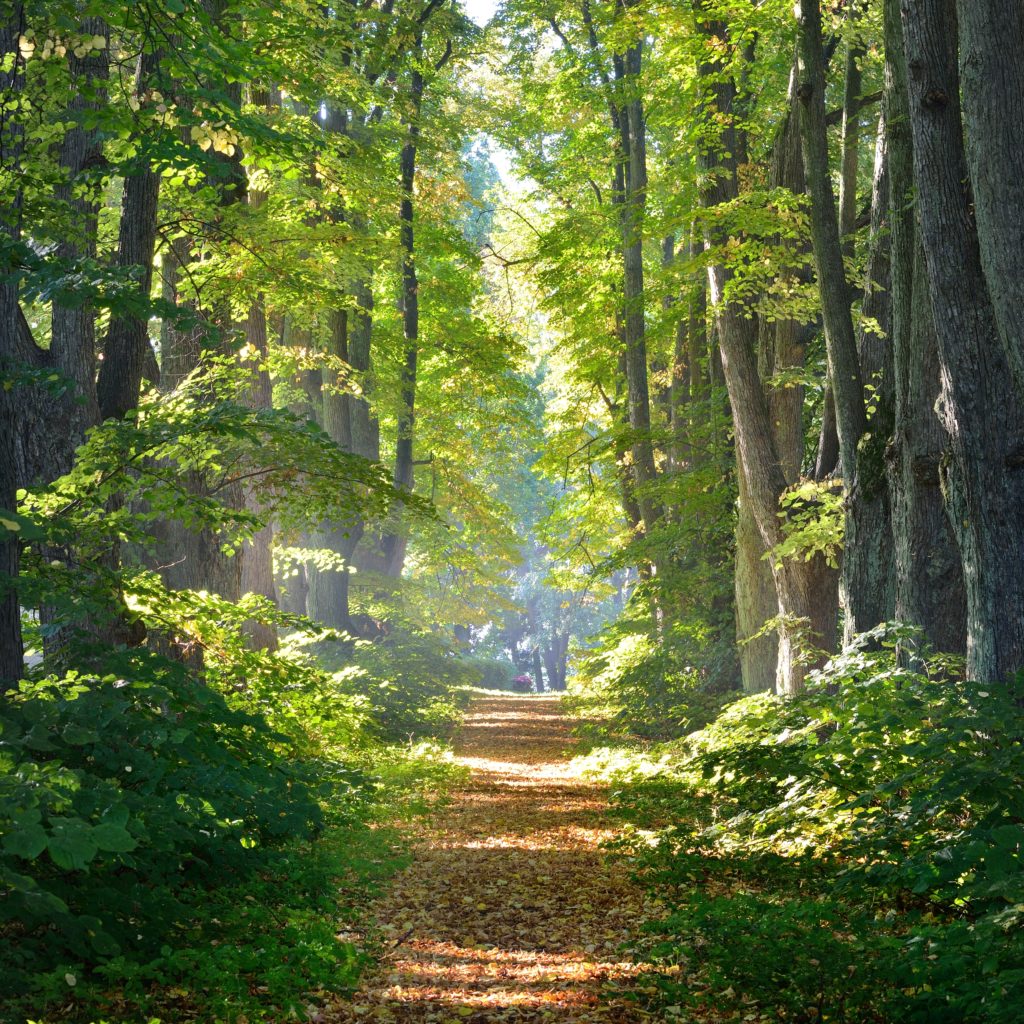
(983, 473)
(756, 599)
(992, 86)
(929, 587)
(867, 587)
(126, 349)
(257, 560)
(73, 337)
(806, 618)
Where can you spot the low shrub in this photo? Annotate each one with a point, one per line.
(853, 853)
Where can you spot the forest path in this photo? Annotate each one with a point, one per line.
(509, 912)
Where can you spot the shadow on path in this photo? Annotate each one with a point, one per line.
(509, 912)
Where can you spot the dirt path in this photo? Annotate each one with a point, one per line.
(509, 912)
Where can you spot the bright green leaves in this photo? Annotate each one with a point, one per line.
(71, 842)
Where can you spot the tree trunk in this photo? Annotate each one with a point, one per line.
(73, 337)
(929, 586)
(983, 473)
(992, 87)
(633, 142)
(867, 587)
(404, 477)
(840, 340)
(126, 349)
(257, 560)
(756, 599)
(800, 585)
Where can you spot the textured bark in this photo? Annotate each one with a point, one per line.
(126, 349)
(73, 338)
(11, 357)
(800, 586)
(992, 86)
(633, 156)
(828, 440)
(756, 600)
(404, 477)
(840, 339)
(256, 557)
(981, 473)
(782, 345)
(867, 589)
(929, 587)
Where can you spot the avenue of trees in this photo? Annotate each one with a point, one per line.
(310, 419)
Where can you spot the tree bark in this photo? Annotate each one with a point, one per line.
(633, 155)
(929, 586)
(981, 473)
(73, 337)
(11, 344)
(404, 477)
(867, 589)
(126, 350)
(840, 339)
(992, 86)
(801, 587)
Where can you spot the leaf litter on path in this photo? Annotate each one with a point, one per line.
(510, 913)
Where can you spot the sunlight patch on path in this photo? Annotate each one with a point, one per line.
(510, 912)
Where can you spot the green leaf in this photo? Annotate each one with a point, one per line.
(78, 735)
(112, 838)
(71, 845)
(26, 841)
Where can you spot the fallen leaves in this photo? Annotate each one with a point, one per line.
(509, 912)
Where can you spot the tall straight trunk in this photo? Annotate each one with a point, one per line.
(11, 342)
(73, 337)
(126, 350)
(404, 476)
(782, 345)
(257, 560)
(681, 383)
(868, 579)
(802, 587)
(929, 586)
(194, 560)
(828, 441)
(756, 599)
(328, 595)
(992, 87)
(983, 473)
(840, 340)
(633, 156)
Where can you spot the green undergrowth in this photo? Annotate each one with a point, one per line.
(277, 935)
(853, 854)
(175, 845)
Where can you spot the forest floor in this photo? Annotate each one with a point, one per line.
(510, 910)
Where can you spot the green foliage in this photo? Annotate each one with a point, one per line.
(656, 688)
(875, 823)
(492, 673)
(120, 791)
(407, 682)
(812, 522)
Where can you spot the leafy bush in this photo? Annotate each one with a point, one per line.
(117, 793)
(408, 682)
(492, 673)
(886, 804)
(650, 687)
